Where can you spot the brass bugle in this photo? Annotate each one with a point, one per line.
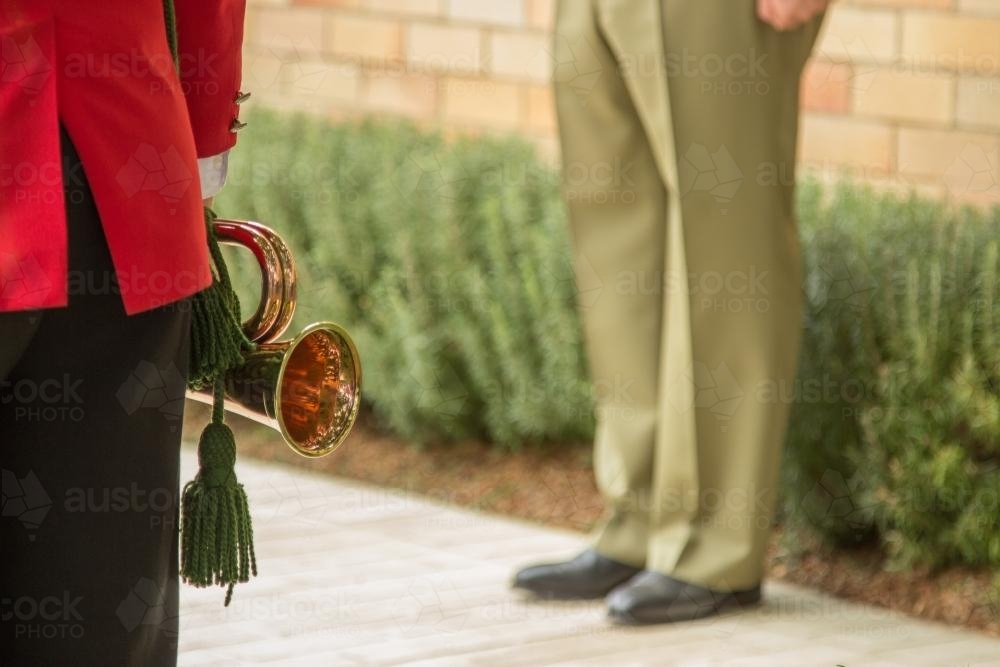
(307, 388)
(278, 293)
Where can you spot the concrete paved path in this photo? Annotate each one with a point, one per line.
(358, 575)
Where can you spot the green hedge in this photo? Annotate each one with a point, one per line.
(450, 270)
(904, 323)
(450, 264)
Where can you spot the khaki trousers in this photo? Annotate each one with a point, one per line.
(678, 123)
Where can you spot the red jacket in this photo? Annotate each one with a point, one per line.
(104, 70)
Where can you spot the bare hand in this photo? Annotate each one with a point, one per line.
(789, 14)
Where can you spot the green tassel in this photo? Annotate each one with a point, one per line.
(218, 343)
(216, 531)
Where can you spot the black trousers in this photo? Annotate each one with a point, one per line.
(91, 403)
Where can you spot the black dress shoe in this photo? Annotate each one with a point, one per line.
(588, 576)
(651, 597)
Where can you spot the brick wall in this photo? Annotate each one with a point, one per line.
(901, 93)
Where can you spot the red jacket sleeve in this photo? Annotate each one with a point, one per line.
(210, 39)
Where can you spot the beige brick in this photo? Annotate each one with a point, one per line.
(414, 96)
(542, 14)
(341, 83)
(905, 4)
(355, 35)
(904, 95)
(264, 72)
(935, 153)
(261, 72)
(852, 34)
(499, 12)
(521, 55)
(824, 87)
(477, 65)
(987, 199)
(826, 141)
(308, 86)
(979, 102)
(945, 43)
(250, 24)
(338, 4)
(991, 7)
(541, 111)
(481, 102)
(438, 49)
(290, 104)
(410, 7)
(967, 164)
(287, 28)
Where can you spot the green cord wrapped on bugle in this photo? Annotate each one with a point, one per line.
(216, 532)
(218, 343)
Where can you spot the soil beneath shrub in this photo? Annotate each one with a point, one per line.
(555, 486)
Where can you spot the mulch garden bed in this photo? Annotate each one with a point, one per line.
(555, 487)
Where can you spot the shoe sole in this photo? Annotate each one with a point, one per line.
(556, 596)
(680, 614)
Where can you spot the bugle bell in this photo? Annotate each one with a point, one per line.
(307, 388)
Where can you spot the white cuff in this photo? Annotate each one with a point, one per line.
(213, 171)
